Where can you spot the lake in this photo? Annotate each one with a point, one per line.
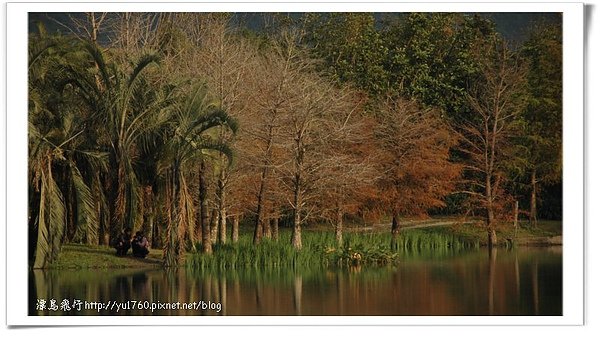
(525, 281)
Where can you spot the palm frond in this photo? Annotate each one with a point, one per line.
(86, 207)
(56, 216)
(98, 57)
(42, 249)
(144, 62)
(37, 51)
(96, 159)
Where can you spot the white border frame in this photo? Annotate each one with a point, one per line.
(573, 150)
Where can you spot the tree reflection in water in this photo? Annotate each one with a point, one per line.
(519, 282)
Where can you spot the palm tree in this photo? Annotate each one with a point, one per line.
(57, 152)
(128, 109)
(194, 136)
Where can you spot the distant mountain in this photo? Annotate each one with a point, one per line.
(513, 26)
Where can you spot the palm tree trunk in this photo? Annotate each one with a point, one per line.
(204, 217)
(71, 203)
(222, 210)
(172, 243)
(106, 212)
(148, 225)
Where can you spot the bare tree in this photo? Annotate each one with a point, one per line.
(350, 175)
(496, 101)
(316, 115)
(274, 77)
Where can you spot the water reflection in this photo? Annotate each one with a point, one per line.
(492, 253)
(498, 282)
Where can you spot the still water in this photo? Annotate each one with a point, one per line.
(527, 281)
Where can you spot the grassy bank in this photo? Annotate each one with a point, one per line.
(80, 256)
(505, 232)
(371, 247)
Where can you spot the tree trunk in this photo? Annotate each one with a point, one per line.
(533, 211)
(235, 228)
(214, 228)
(115, 226)
(339, 224)
(204, 217)
(298, 198)
(71, 203)
(222, 209)
(275, 227)
(148, 225)
(157, 240)
(222, 226)
(395, 232)
(172, 242)
(490, 221)
(267, 228)
(297, 232)
(492, 239)
(516, 218)
(258, 224)
(104, 210)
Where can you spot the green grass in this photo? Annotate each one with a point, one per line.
(320, 249)
(504, 231)
(79, 256)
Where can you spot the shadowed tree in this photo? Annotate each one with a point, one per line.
(113, 95)
(487, 138)
(194, 137)
(542, 134)
(57, 152)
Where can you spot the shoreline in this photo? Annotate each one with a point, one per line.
(548, 234)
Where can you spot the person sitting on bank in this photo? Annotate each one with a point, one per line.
(139, 245)
(123, 242)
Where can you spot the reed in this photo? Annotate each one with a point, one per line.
(320, 249)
